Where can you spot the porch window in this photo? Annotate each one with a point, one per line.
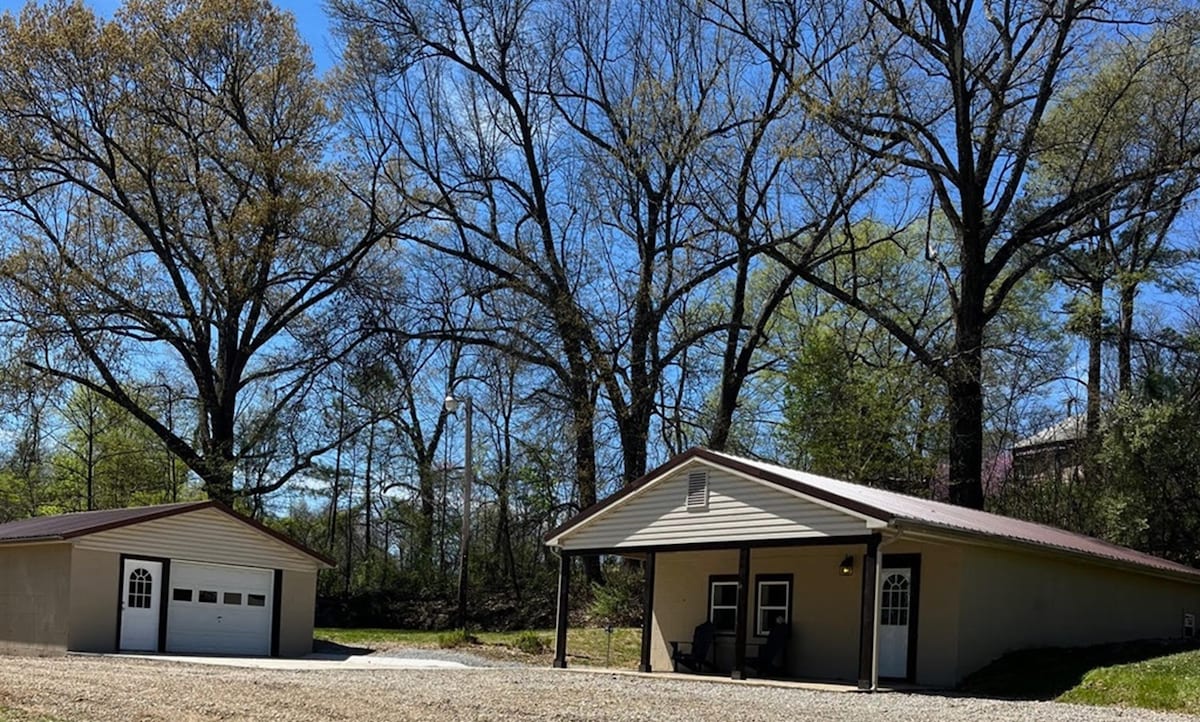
(722, 603)
(772, 602)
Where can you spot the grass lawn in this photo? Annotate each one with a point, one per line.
(585, 646)
(1170, 683)
(1154, 675)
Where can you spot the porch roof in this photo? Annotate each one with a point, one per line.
(897, 511)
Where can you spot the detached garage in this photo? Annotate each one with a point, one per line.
(186, 578)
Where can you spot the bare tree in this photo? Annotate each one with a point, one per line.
(169, 210)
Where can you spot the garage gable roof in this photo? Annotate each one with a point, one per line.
(63, 527)
(899, 511)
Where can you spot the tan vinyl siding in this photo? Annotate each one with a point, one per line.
(34, 598)
(738, 510)
(205, 535)
(95, 581)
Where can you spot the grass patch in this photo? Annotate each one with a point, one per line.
(8, 714)
(1165, 672)
(1170, 683)
(586, 646)
(456, 638)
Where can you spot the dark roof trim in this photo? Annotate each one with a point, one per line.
(1154, 567)
(727, 463)
(163, 512)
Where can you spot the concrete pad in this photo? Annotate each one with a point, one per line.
(312, 662)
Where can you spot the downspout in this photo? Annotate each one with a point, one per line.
(879, 606)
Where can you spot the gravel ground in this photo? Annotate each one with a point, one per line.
(450, 655)
(102, 689)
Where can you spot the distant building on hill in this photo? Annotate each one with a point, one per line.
(1055, 452)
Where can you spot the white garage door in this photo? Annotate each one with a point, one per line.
(219, 610)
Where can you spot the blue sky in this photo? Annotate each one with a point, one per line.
(311, 20)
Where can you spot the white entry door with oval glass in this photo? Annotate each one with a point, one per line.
(140, 595)
(895, 612)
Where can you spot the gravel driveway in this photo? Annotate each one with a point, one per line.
(102, 689)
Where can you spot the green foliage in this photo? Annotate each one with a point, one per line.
(618, 601)
(1169, 683)
(1151, 452)
(456, 638)
(531, 642)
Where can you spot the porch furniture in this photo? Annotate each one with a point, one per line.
(699, 655)
(769, 659)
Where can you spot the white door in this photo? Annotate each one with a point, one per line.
(219, 609)
(894, 611)
(140, 594)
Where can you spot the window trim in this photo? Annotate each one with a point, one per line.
(759, 580)
(713, 581)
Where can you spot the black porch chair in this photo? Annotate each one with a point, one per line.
(769, 659)
(699, 655)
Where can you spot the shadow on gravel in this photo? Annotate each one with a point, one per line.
(333, 649)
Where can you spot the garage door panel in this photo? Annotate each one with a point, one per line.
(219, 610)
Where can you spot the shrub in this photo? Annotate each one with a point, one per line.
(531, 643)
(456, 638)
(618, 602)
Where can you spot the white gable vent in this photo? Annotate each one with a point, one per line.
(697, 492)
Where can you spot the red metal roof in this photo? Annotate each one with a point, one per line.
(62, 527)
(902, 511)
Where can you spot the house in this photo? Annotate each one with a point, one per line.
(190, 578)
(871, 583)
(1053, 453)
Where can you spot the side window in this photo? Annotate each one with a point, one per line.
(722, 603)
(772, 602)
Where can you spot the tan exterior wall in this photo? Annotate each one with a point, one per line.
(296, 611)
(34, 598)
(938, 610)
(95, 582)
(1013, 600)
(826, 607)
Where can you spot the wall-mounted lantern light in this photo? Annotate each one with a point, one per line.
(846, 568)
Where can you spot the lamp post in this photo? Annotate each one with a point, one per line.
(452, 404)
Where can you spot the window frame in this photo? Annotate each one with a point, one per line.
(759, 580)
(713, 581)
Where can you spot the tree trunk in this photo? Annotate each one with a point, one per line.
(1125, 337)
(1095, 331)
(428, 509)
(965, 407)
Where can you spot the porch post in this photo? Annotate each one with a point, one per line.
(560, 630)
(648, 613)
(866, 648)
(739, 638)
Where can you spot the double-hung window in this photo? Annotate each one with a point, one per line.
(772, 602)
(722, 603)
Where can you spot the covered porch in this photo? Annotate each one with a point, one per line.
(826, 590)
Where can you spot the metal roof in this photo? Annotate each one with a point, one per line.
(62, 527)
(1071, 428)
(902, 511)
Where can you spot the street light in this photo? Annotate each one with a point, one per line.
(451, 405)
